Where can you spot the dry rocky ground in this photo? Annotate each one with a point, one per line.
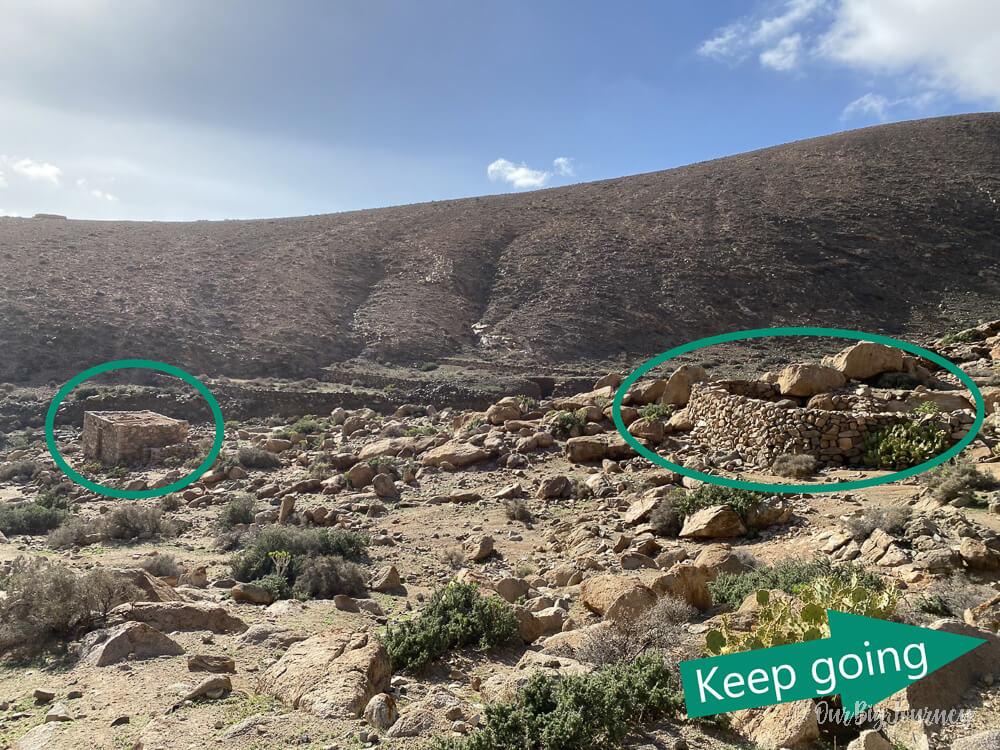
(583, 557)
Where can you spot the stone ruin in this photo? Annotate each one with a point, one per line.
(130, 437)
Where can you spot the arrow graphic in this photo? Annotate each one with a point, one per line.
(864, 660)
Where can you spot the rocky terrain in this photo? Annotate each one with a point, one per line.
(895, 224)
(411, 575)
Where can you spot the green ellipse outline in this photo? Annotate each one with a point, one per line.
(815, 489)
(146, 364)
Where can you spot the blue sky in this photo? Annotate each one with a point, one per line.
(187, 109)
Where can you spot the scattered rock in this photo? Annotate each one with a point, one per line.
(135, 640)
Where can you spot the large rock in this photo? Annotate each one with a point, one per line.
(678, 389)
(715, 522)
(385, 579)
(720, 558)
(332, 675)
(808, 380)
(644, 392)
(617, 598)
(783, 725)
(167, 616)
(985, 615)
(381, 712)
(978, 556)
(456, 453)
(586, 449)
(151, 589)
(131, 639)
(988, 740)
(686, 582)
(866, 359)
(870, 740)
(252, 593)
(943, 688)
(639, 510)
(478, 548)
(503, 411)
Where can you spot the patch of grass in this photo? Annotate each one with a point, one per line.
(421, 431)
(565, 422)
(891, 519)
(428, 366)
(796, 466)
(788, 576)
(927, 407)
(162, 565)
(578, 712)
(456, 616)
(968, 336)
(85, 391)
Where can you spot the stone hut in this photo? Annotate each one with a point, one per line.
(124, 437)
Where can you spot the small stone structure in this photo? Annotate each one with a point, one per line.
(752, 418)
(125, 437)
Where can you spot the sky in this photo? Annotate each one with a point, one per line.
(187, 109)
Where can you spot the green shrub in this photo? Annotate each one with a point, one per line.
(778, 623)
(456, 616)
(307, 425)
(903, 445)
(240, 510)
(255, 457)
(968, 336)
(891, 519)
(255, 560)
(328, 575)
(927, 407)
(29, 518)
(14, 469)
(786, 575)
(707, 495)
(565, 422)
(48, 605)
(659, 627)
(578, 712)
(961, 479)
(428, 366)
(794, 466)
(85, 391)
(128, 522)
(527, 403)
(421, 431)
(649, 412)
(117, 472)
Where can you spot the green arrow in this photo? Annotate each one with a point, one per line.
(864, 660)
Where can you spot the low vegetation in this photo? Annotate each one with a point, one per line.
(658, 628)
(788, 576)
(903, 445)
(124, 523)
(707, 495)
(651, 412)
(957, 480)
(578, 712)
(240, 510)
(254, 457)
(162, 565)
(794, 466)
(47, 605)
(456, 616)
(891, 519)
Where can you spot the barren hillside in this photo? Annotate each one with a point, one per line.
(892, 228)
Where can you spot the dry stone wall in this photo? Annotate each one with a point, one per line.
(760, 430)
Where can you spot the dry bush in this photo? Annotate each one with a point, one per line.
(665, 518)
(25, 469)
(253, 457)
(958, 480)
(658, 628)
(454, 556)
(127, 522)
(945, 597)
(48, 605)
(325, 577)
(517, 510)
(162, 565)
(891, 519)
(795, 466)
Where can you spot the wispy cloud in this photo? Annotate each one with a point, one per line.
(784, 55)
(522, 176)
(880, 106)
(39, 171)
(771, 33)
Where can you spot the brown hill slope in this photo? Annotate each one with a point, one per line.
(893, 228)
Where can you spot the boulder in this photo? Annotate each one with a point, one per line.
(780, 726)
(478, 548)
(360, 475)
(416, 722)
(808, 380)
(769, 512)
(385, 579)
(870, 740)
(715, 522)
(151, 589)
(511, 589)
(644, 392)
(384, 485)
(554, 487)
(639, 510)
(168, 616)
(686, 582)
(988, 740)
(210, 663)
(985, 615)
(720, 558)
(651, 429)
(381, 712)
(252, 593)
(978, 556)
(503, 411)
(456, 453)
(678, 388)
(332, 675)
(135, 640)
(586, 449)
(617, 598)
(866, 359)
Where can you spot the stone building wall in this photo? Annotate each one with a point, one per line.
(760, 430)
(119, 437)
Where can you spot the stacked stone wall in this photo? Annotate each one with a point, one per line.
(760, 430)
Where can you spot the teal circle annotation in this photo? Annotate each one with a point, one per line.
(145, 364)
(758, 333)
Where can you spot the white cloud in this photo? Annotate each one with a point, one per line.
(784, 55)
(3, 181)
(520, 176)
(880, 106)
(102, 195)
(563, 166)
(951, 47)
(41, 171)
